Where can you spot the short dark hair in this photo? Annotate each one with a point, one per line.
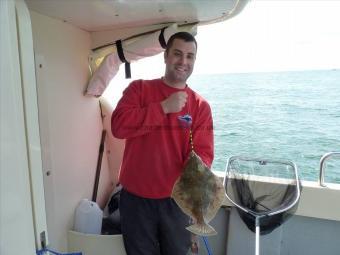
(185, 36)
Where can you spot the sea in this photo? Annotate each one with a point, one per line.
(293, 116)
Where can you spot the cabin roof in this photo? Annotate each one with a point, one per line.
(101, 15)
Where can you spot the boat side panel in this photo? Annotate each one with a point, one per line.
(298, 235)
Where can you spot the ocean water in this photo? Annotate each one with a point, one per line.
(287, 115)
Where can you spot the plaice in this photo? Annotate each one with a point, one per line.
(199, 193)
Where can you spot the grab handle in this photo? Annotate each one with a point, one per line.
(322, 166)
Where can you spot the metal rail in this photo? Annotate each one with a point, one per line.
(322, 166)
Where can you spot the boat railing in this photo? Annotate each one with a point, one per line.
(322, 166)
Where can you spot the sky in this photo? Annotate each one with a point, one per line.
(268, 35)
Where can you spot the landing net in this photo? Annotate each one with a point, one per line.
(262, 190)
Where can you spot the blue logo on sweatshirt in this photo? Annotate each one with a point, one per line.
(185, 120)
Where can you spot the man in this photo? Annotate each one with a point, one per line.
(155, 117)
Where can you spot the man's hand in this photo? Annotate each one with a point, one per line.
(175, 102)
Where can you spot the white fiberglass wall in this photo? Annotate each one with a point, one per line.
(17, 137)
(70, 123)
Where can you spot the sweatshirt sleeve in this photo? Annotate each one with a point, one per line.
(203, 135)
(130, 118)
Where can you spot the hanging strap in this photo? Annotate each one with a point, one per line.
(122, 58)
(161, 39)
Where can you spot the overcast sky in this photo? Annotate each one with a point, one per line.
(268, 35)
(273, 35)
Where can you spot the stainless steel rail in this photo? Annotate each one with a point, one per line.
(322, 166)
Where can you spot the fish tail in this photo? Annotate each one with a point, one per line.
(202, 229)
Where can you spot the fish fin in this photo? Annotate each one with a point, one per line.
(202, 229)
(177, 195)
(217, 201)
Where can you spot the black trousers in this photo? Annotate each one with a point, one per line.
(153, 226)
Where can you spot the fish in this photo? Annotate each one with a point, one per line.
(199, 193)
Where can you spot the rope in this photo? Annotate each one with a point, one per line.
(206, 243)
(46, 251)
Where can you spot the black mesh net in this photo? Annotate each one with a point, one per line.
(268, 189)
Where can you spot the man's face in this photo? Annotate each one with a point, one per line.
(180, 60)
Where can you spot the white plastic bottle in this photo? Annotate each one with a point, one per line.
(88, 218)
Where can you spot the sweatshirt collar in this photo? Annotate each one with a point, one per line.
(173, 89)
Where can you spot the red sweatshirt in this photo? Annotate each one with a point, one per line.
(157, 145)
